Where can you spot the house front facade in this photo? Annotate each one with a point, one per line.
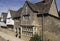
(32, 21)
(9, 20)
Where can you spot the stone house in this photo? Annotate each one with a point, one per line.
(32, 20)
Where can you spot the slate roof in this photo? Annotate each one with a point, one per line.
(40, 7)
(14, 14)
(43, 7)
(32, 6)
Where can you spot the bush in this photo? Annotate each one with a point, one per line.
(36, 37)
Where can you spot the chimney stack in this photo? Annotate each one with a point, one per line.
(46, 0)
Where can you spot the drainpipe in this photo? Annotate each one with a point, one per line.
(42, 26)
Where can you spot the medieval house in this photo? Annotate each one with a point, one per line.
(35, 16)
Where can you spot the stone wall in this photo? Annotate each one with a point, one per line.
(51, 27)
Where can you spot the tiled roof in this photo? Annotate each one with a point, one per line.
(43, 7)
(40, 7)
(32, 6)
(14, 14)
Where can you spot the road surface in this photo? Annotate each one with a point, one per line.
(9, 37)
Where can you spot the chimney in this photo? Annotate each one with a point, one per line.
(46, 0)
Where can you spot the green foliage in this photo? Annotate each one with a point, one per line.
(36, 37)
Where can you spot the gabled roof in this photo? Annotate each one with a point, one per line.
(4, 16)
(40, 6)
(43, 7)
(14, 14)
(32, 6)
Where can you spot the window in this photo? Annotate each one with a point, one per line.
(26, 17)
(27, 31)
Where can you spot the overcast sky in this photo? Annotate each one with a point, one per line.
(16, 4)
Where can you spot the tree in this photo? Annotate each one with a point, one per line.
(36, 37)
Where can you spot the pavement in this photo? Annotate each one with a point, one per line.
(9, 37)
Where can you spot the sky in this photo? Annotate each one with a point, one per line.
(16, 4)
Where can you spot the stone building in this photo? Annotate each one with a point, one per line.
(31, 20)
